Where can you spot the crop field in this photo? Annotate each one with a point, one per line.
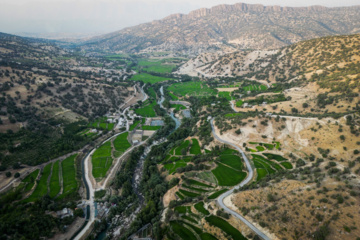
(180, 195)
(171, 167)
(200, 208)
(255, 87)
(260, 148)
(191, 89)
(225, 95)
(232, 161)
(30, 180)
(42, 187)
(184, 145)
(227, 176)
(200, 190)
(239, 103)
(287, 165)
(69, 176)
(151, 128)
(177, 107)
(102, 123)
(230, 115)
(275, 157)
(121, 143)
(101, 160)
(182, 209)
(225, 226)
(148, 78)
(230, 85)
(207, 236)
(261, 172)
(147, 110)
(197, 183)
(181, 231)
(55, 180)
(151, 92)
(188, 194)
(218, 193)
(195, 147)
(227, 151)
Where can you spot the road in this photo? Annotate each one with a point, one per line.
(249, 177)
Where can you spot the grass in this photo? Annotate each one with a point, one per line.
(188, 194)
(121, 143)
(181, 231)
(226, 227)
(147, 110)
(69, 176)
(192, 89)
(29, 180)
(195, 147)
(232, 161)
(184, 145)
(150, 128)
(287, 165)
(261, 173)
(55, 180)
(177, 106)
(200, 208)
(216, 194)
(275, 157)
(227, 176)
(148, 78)
(101, 160)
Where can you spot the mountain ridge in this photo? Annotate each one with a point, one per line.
(231, 25)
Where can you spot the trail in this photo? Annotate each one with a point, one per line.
(249, 177)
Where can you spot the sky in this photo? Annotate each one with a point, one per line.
(103, 16)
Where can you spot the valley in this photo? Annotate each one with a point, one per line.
(156, 133)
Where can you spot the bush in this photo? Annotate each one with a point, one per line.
(300, 163)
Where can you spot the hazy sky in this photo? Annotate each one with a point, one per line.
(102, 16)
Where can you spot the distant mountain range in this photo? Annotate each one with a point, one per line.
(242, 26)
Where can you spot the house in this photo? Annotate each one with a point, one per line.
(66, 212)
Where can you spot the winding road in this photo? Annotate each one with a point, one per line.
(220, 199)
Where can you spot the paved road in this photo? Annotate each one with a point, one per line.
(220, 199)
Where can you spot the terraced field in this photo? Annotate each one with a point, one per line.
(233, 161)
(191, 89)
(42, 186)
(70, 184)
(29, 180)
(121, 144)
(225, 227)
(227, 176)
(101, 160)
(265, 166)
(195, 147)
(55, 180)
(255, 87)
(148, 78)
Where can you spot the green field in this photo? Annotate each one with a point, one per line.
(69, 176)
(230, 115)
(194, 188)
(151, 92)
(184, 145)
(102, 123)
(239, 103)
(151, 128)
(133, 126)
(42, 187)
(173, 97)
(287, 165)
(197, 183)
(227, 151)
(255, 87)
(171, 167)
(180, 195)
(260, 148)
(195, 147)
(275, 157)
(177, 107)
(157, 66)
(225, 226)
(181, 231)
(29, 180)
(200, 208)
(121, 143)
(207, 236)
(55, 180)
(218, 193)
(147, 110)
(191, 89)
(181, 209)
(261, 172)
(148, 78)
(188, 194)
(227, 176)
(232, 161)
(207, 176)
(101, 160)
(225, 95)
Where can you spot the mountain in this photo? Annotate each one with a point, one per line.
(243, 26)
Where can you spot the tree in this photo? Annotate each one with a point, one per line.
(17, 175)
(8, 174)
(342, 137)
(305, 105)
(238, 131)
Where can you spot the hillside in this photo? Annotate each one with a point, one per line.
(232, 25)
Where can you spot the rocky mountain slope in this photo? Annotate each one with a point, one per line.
(236, 25)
